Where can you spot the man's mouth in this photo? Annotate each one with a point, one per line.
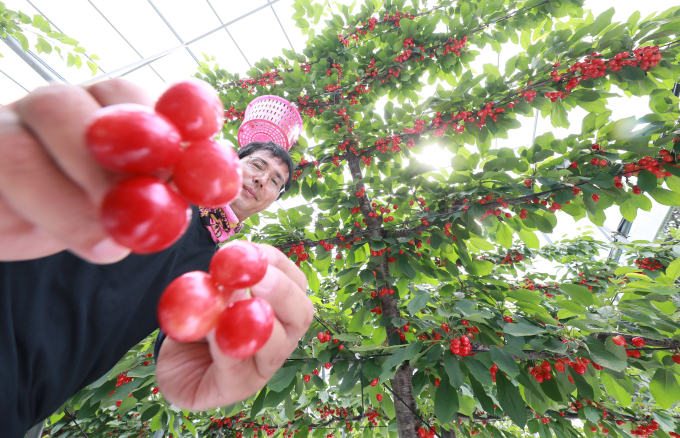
(249, 192)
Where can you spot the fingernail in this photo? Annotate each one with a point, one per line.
(108, 251)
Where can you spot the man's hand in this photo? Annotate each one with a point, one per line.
(50, 187)
(197, 376)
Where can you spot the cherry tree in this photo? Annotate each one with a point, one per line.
(431, 318)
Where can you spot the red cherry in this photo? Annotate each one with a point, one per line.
(379, 397)
(618, 340)
(676, 358)
(244, 327)
(132, 138)
(580, 368)
(144, 214)
(307, 378)
(374, 382)
(190, 307)
(194, 107)
(208, 174)
(239, 264)
(638, 342)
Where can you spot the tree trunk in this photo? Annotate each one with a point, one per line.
(402, 383)
(402, 386)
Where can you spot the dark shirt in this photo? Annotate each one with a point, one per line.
(65, 322)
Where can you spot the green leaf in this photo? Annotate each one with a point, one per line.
(350, 379)
(127, 404)
(580, 294)
(282, 378)
(529, 238)
(445, 401)
(357, 320)
(615, 390)
(665, 389)
(665, 197)
(504, 235)
(417, 303)
(584, 389)
(522, 329)
(646, 180)
(673, 269)
(511, 401)
(478, 370)
(628, 210)
(452, 367)
(480, 395)
(558, 116)
(480, 268)
(190, 426)
(632, 74)
(407, 352)
(604, 358)
(504, 360)
(44, 46)
(23, 40)
(150, 412)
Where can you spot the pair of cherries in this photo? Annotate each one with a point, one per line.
(143, 212)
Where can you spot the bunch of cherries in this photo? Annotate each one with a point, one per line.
(142, 212)
(197, 302)
(651, 264)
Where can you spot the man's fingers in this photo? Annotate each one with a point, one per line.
(115, 91)
(265, 362)
(290, 303)
(18, 237)
(58, 116)
(283, 263)
(37, 190)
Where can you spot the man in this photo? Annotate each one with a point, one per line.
(73, 302)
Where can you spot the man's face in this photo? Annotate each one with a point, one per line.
(256, 194)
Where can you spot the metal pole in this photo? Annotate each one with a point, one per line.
(173, 31)
(141, 63)
(13, 80)
(229, 33)
(33, 61)
(285, 33)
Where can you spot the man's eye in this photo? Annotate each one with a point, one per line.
(258, 166)
(277, 182)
